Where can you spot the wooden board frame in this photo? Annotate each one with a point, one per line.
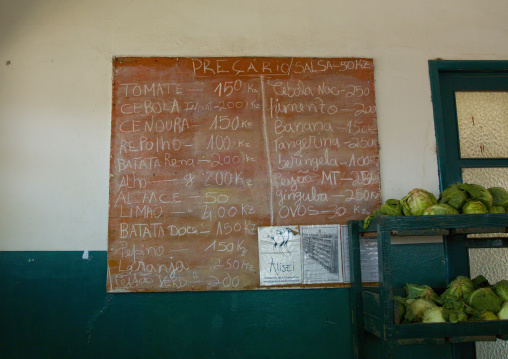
(205, 150)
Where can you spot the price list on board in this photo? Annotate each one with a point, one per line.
(206, 150)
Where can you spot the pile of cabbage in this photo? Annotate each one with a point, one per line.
(455, 199)
(463, 300)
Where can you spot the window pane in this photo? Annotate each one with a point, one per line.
(487, 177)
(483, 124)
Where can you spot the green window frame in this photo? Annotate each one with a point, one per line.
(447, 77)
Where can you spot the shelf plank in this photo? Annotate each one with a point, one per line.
(415, 224)
(492, 328)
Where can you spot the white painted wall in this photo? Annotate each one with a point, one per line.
(55, 86)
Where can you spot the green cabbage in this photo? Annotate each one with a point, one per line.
(503, 313)
(392, 207)
(459, 288)
(433, 315)
(440, 208)
(499, 196)
(501, 289)
(488, 315)
(418, 291)
(471, 207)
(458, 311)
(477, 193)
(497, 209)
(454, 317)
(453, 196)
(416, 308)
(483, 299)
(416, 201)
(480, 282)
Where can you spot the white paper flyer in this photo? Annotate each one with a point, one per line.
(280, 259)
(322, 254)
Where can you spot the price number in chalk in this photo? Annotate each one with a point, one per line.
(229, 247)
(359, 127)
(215, 197)
(360, 194)
(361, 142)
(361, 109)
(227, 88)
(364, 178)
(226, 282)
(357, 91)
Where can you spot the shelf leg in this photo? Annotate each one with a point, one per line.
(355, 275)
(457, 257)
(386, 290)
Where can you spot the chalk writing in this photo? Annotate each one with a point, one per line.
(206, 150)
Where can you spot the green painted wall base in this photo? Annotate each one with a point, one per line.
(55, 305)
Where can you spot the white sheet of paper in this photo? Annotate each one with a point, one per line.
(322, 254)
(280, 259)
(368, 257)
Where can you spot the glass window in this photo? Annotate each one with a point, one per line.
(482, 118)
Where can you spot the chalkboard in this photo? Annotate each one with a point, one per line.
(206, 150)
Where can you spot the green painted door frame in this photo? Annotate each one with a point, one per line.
(446, 77)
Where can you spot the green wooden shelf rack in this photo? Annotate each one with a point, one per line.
(372, 307)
